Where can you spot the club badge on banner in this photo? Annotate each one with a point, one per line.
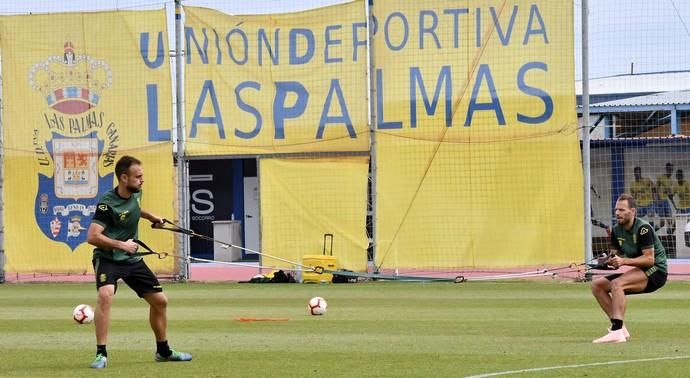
(76, 100)
(72, 84)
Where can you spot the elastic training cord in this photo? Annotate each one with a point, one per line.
(176, 228)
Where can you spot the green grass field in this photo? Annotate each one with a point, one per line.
(371, 329)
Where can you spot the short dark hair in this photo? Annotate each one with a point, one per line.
(122, 165)
(630, 199)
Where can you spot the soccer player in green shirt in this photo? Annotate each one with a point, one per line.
(633, 243)
(112, 231)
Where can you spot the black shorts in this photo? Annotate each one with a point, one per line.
(655, 281)
(137, 276)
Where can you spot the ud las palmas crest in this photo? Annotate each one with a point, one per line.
(72, 85)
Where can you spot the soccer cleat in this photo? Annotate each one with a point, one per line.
(100, 362)
(625, 332)
(174, 356)
(617, 336)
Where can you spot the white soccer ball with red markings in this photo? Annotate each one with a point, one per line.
(83, 314)
(317, 306)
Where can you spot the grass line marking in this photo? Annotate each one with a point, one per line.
(576, 366)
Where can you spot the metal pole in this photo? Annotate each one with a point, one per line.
(182, 240)
(371, 69)
(2, 197)
(585, 131)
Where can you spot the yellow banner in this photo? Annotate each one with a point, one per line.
(76, 99)
(280, 83)
(477, 150)
(303, 199)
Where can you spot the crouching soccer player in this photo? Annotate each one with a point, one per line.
(633, 243)
(112, 230)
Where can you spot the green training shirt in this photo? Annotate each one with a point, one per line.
(641, 236)
(120, 220)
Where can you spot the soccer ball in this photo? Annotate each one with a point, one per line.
(83, 314)
(317, 306)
